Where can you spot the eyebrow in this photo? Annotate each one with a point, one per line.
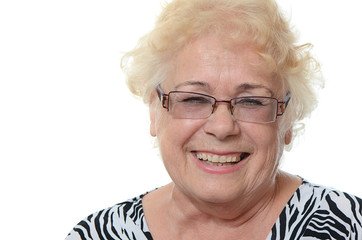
(241, 87)
(193, 83)
(248, 86)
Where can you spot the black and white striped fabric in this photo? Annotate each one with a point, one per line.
(313, 212)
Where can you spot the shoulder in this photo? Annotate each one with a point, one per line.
(121, 221)
(318, 212)
(328, 212)
(328, 198)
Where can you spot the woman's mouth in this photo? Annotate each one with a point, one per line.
(221, 160)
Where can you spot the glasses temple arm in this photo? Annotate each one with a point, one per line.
(284, 104)
(159, 91)
(287, 99)
(162, 96)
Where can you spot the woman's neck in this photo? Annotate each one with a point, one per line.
(251, 216)
(236, 212)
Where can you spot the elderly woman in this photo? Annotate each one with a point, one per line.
(227, 88)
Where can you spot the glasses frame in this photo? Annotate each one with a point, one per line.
(280, 110)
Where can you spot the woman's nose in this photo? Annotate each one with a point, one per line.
(222, 123)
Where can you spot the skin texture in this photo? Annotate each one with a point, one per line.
(206, 201)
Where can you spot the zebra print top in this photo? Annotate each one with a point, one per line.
(313, 212)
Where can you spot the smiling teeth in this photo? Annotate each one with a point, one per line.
(217, 158)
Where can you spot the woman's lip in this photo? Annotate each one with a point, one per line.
(215, 158)
(220, 153)
(213, 169)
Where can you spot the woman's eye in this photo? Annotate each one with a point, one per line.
(249, 102)
(196, 100)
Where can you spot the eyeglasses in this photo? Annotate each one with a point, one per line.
(191, 105)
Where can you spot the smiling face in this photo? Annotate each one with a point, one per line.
(219, 159)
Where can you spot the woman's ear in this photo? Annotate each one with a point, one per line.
(288, 137)
(152, 110)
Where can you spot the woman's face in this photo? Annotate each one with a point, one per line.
(205, 66)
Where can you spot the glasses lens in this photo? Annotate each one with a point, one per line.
(255, 109)
(190, 105)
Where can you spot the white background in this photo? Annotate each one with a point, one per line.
(73, 140)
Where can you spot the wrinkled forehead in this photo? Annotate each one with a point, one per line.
(209, 58)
